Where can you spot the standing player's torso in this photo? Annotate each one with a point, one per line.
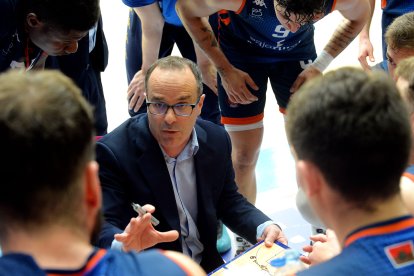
(254, 30)
(169, 13)
(397, 7)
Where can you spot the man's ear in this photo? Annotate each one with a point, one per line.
(309, 177)
(33, 21)
(201, 102)
(92, 185)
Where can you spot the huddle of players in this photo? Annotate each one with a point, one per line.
(314, 178)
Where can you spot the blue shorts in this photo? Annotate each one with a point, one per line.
(281, 75)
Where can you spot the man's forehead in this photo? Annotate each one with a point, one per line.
(67, 35)
(400, 53)
(180, 75)
(181, 82)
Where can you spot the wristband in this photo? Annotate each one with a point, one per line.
(322, 61)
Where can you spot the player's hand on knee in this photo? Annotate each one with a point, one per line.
(309, 73)
(136, 91)
(236, 83)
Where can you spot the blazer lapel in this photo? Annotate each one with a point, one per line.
(203, 161)
(156, 173)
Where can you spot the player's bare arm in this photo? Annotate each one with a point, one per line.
(366, 50)
(207, 68)
(193, 15)
(356, 14)
(152, 23)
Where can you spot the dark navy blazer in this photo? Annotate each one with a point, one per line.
(133, 169)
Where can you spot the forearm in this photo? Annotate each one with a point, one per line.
(202, 34)
(202, 59)
(356, 13)
(152, 24)
(365, 30)
(342, 37)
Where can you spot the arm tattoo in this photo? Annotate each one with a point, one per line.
(209, 37)
(341, 38)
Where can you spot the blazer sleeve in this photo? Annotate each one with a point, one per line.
(117, 210)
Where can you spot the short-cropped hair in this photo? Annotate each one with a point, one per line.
(353, 126)
(400, 33)
(176, 63)
(77, 15)
(46, 140)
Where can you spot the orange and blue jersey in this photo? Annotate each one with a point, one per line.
(385, 248)
(101, 262)
(397, 7)
(409, 172)
(254, 34)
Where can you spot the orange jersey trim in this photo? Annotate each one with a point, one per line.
(89, 266)
(383, 4)
(241, 7)
(409, 176)
(242, 121)
(333, 5)
(225, 20)
(399, 226)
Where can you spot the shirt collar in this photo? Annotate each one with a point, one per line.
(381, 228)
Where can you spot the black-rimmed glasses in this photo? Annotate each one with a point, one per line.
(184, 110)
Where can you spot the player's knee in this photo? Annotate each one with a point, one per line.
(245, 159)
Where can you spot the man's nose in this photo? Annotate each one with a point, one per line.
(170, 116)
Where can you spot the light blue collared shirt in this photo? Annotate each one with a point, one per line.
(183, 178)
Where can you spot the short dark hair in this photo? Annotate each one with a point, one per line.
(353, 126)
(78, 15)
(176, 63)
(46, 140)
(304, 10)
(400, 33)
(405, 70)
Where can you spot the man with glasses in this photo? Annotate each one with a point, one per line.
(178, 164)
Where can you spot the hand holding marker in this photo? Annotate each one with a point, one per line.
(141, 211)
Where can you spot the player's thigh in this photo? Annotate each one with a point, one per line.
(239, 114)
(282, 75)
(133, 49)
(184, 43)
(167, 40)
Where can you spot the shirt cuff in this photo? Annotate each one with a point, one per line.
(262, 227)
(116, 245)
